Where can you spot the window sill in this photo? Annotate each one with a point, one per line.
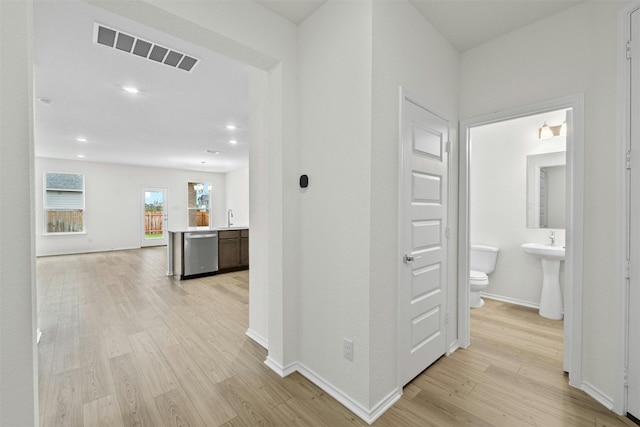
(74, 233)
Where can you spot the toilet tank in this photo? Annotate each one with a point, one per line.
(483, 258)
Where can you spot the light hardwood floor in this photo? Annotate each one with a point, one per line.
(125, 345)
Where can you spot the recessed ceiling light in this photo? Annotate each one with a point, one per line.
(233, 141)
(130, 89)
(80, 156)
(45, 101)
(231, 126)
(81, 139)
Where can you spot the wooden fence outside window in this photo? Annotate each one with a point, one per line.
(153, 222)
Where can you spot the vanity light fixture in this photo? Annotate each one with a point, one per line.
(563, 129)
(546, 131)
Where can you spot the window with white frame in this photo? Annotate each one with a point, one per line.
(63, 202)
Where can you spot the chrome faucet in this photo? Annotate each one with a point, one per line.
(229, 216)
(552, 237)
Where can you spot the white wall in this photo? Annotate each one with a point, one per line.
(498, 202)
(407, 52)
(18, 352)
(237, 196)
(578, 48)
(258, 201)
(335, 152)
(113, 206)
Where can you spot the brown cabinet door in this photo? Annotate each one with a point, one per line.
(228, 253)
(244, 251)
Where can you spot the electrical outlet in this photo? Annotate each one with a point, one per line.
(347, 349)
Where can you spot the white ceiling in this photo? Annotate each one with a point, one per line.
(172, 121)
(470, 23)
(177, 116)
(465, 23)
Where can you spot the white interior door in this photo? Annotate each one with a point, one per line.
(633, 392)
(154, 217)
(422, 294)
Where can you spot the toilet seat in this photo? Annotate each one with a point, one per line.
(478, 278)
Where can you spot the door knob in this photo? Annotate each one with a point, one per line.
(408, 259)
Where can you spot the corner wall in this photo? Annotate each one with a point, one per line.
(334, 51)
(353, 57)
(568, 53)
(18, 350)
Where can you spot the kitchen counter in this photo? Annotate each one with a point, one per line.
(175, 249)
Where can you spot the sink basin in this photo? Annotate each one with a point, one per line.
(551, 252)
(551, 256)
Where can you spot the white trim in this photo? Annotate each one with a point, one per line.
(257, 338)
(453, 347)
(511, 300)
(367, 415)
(599, 396)
(282, 371)
(144, 242)
(574, 234)
(620, 403)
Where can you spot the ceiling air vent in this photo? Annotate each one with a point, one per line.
(131, 44)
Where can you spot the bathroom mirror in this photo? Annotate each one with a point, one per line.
(199, 204)
(546, 190)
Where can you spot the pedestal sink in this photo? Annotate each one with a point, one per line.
(551, 257)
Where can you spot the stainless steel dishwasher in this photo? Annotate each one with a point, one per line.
(200, 255)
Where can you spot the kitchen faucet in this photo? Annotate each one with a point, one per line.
(552, 237)
(229, 216)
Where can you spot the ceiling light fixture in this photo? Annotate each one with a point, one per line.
(231, 126)
(233, 142)
(130, 89)
(80, 156)
(81, 139)
(546, 131)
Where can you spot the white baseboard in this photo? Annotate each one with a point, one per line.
(257, 338)
(367, 415)
(283, 371)
(511, 300)
(602, 398)
(90, 251)
(453, 347)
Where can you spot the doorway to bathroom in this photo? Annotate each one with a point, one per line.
(520, 182)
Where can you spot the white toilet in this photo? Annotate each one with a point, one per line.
(482, 261)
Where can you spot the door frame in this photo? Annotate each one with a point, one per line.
(144, 243)
(407, 95)
(620, 396)
(574, 235)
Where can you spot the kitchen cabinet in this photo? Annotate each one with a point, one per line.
(233, 250)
